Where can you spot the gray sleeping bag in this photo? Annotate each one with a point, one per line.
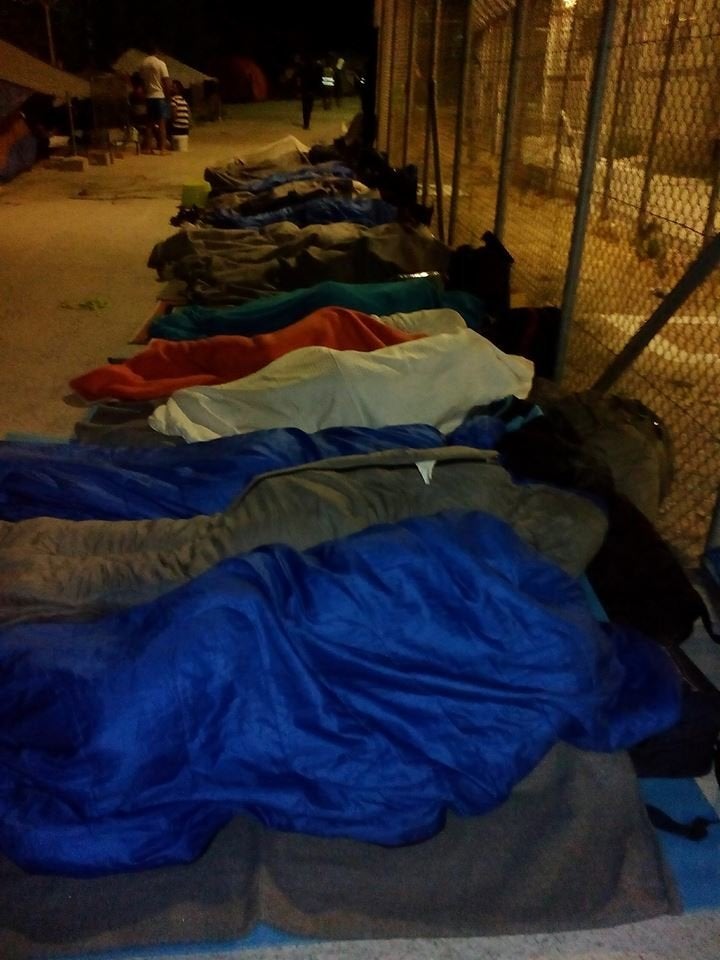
(52, 568)
(232, 266)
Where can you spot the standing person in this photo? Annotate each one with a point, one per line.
(328, 83)
(155, 77)
(308, 76)
(180, 111)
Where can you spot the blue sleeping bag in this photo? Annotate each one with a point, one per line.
(330, 169)
(368, 213)
(83, 482)
(360, 689)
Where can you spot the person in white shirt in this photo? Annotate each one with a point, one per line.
(156, 78)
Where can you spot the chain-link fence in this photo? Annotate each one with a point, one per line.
(586, 133)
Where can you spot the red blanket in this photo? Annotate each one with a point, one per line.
(169, 365)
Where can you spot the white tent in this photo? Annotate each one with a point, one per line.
(22, 75)
(130, 62)
(189, 77)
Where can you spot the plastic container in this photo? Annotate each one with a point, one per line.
(195, 194)
(180, 143)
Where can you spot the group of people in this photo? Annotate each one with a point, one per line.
(158, 107)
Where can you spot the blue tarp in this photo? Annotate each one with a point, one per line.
(360, 689)
(368, 213)
(83, 482)
(268, 314)
(695, 864)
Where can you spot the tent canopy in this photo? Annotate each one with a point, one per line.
(22, 70)
(130, 62)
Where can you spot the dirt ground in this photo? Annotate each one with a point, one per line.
(70, 238)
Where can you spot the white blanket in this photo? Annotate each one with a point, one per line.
(436, 380)
(431, 321)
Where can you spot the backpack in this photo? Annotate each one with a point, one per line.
(691, 748)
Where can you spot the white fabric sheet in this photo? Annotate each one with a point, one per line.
(436, 380)
(431, 322)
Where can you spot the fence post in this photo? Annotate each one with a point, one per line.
(699, 270)
(431, 77)
(714, 195)
(439, 190)
(380, 69)
(657, 115)
(410, 81)
(460, 122)
(71, 122)
(496, 84)
(477, 92)
(518, 30)
(614, 120)
(557, 154)
(587, 172)
(391, 74)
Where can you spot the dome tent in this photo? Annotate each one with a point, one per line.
(242, 79)
(203, 93)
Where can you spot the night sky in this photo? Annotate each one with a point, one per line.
(95, 32)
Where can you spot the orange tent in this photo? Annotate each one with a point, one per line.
(241, 79)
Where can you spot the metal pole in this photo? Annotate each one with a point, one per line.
(707, 260)
(391, 76)
(431, 77)
(410, 84)
(657, 116)
(433, 105)
(713, 534)
(587, 171)
(614, 120)
(557, 155)
(380, 68)
(460, 121)
(496, 80)
(714, 195)
(48, 25)
(71, 120)
(477, 94)
(439, 195)
(518, 30)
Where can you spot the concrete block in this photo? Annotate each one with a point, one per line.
(74, 164)
(100, 158)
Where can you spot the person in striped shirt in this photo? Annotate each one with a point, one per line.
(181, 118)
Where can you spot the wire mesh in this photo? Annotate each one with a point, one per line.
(482, 128)
(652, 208)
(419, 15)
(450, 34)
(555, 65)
(655, 190)
(676, 376)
